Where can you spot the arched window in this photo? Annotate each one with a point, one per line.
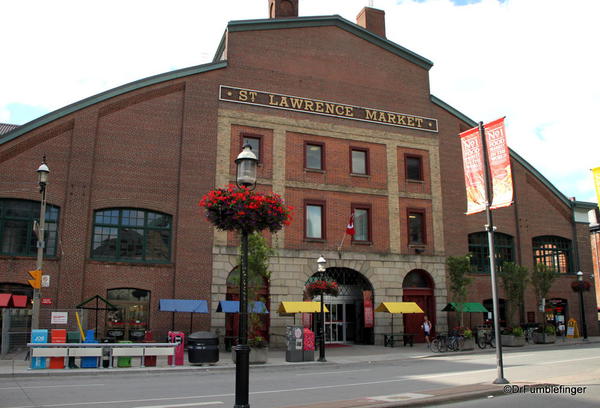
(17, 236)
(554, 252)
(480, 253)
(125, 234)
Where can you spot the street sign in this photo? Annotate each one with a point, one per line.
(46, 301)
(45, 281)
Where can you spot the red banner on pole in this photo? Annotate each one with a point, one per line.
(499, 160)
(473, 167)
(368, 308)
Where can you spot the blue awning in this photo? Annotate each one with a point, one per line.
(183, 305)
(233, 306)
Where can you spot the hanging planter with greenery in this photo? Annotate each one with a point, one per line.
(319, 287)
(239, 209)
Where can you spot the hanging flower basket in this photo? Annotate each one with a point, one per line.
(324, 287)
(239, 209)
(577, 286)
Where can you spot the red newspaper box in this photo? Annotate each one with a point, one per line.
(58, 336)
(179, 338)
(149, 361)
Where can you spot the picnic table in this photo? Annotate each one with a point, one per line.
(390, 338)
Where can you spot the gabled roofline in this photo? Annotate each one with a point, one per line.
(321, 21)
(84, 103)
(514, 155)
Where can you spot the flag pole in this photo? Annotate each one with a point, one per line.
(490, 230)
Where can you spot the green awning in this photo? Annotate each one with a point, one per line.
(466, 307)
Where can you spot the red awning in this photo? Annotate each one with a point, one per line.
(19, 300)
(4, 299)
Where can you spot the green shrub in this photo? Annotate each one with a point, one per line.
(550, 330)
(517, 332)
(468, 334)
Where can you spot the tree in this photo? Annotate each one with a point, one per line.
(514, 280)
(458, 268)
(542, 279)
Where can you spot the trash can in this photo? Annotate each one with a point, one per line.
(295, 344)
(149, 361)
(73, 337)
(203, 347)
(124, 361)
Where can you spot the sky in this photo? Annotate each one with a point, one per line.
(534, 61)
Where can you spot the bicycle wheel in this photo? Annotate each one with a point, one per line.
(460, 343)
(493, 342)
(452, 344)
(482, 341)
(435, 345)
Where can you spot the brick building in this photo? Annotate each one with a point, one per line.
(343, 122)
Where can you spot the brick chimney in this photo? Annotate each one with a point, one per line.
(373, 20)
(283, 8)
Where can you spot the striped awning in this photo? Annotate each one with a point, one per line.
(301, 307)
(399, 307)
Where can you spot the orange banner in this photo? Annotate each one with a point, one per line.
(596, 172)
(473, 166)
(499, 162)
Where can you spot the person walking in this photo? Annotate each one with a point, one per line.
(427, 326)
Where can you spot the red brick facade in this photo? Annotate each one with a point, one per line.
(162, 144)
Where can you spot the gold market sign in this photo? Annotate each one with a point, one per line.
(318, 107)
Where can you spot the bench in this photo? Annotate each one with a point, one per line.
(390, 339)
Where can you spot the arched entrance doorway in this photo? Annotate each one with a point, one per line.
(258, 289)
(418, 287)
(345, 322)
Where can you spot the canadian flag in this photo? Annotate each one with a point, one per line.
(350, 226)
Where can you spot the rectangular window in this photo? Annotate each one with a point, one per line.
(314, 221)
(413, 167)
(362, 223)
(254, 142)
(313, 156)
(416, 227)
(359, 161)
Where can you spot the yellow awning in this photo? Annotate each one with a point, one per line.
(301, 307)
(399, 307)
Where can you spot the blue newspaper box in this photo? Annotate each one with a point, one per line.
(39, 336)
(89, 362)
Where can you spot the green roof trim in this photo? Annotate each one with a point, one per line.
(220, 48)
(513, 154)
(323, 21)
(120, 90)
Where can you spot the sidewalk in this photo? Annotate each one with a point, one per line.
(16, 366)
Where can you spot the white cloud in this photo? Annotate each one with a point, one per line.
(534, 61)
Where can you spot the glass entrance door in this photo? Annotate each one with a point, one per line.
(340, 322)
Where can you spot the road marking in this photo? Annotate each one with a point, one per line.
(50, 386)
(191, 404)
(336, 372)
(452, 374)
(399, 397)
(567, 361)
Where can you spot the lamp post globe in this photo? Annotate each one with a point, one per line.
(43, 172)
(321, 262)
(581, 304)
(246, 168)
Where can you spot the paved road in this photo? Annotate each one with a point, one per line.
(293, 386)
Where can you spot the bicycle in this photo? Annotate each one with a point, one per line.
(529, 334)
(486, 338)
(440, 343)
(456, 342)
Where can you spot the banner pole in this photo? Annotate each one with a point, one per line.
(490, 230)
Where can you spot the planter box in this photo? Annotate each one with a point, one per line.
(509, 340)
(543, 338)
(469, 344)
(257, 355)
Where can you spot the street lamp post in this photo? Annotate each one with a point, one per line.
(246, 177)
(580, 286)
(321, 268)
(42, 172)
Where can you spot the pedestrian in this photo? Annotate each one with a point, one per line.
(427, 326)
